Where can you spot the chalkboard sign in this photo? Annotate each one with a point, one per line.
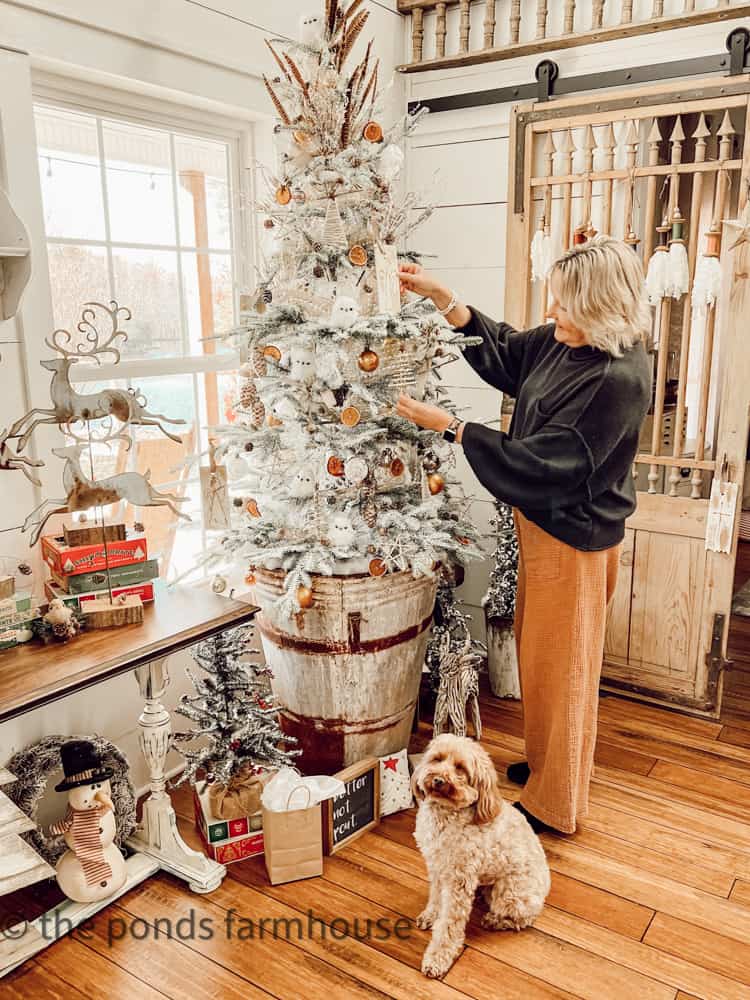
(357, 809)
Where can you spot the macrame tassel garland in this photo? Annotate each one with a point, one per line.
(334, 234)
(541, 255)
(657, 275)
(707, 283)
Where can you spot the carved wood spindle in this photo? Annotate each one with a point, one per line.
(569, 16)
(654, 141)
(658, 10)
(608, 147)
(632, 142)
(627, 12)
(489, 23)
(700, 135)
(549, 160)
(589, 145)
(597, 13)
(515, 21)
(721, 197)
(676, 140)
(417, 34)
(541, 18)
(464, 27)
(568, 150)
(440, 29)
(689, 6)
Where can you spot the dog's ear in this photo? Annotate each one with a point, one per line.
(489, 801)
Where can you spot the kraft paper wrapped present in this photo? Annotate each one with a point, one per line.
(292, 829)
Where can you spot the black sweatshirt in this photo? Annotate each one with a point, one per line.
(567, 460)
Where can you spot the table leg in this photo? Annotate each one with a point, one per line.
(157, 834)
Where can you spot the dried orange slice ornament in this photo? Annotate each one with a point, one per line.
(351, 416)
(377, 567)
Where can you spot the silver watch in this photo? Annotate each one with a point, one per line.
(451, 430)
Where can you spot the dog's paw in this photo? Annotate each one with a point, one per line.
(494, 922)
(425, 920)
(435, 965)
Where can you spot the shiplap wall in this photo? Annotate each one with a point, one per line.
(469, 150)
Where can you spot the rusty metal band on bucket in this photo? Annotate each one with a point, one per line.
(354, 645)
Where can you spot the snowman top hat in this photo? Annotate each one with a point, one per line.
(82, 765)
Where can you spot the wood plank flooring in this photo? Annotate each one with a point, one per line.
(650, 899)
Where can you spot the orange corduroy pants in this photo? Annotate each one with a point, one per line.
(561, 611)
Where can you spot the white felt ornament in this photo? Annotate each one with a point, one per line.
(302, 366)
(302, 487)
(237, 467)
(345, 313)
(356, 470)
(341, 532)
(391, 161)
(541, 255)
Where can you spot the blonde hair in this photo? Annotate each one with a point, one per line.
(602, 288)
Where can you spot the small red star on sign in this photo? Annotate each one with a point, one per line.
(391, 764)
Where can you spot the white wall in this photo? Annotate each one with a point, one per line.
(191, 58)
(469, 148)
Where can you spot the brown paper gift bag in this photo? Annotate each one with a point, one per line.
(293, 842)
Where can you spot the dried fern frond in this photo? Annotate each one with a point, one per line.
(280, 110)
(305, 87)
(278, 59)
(347, 122)
(351, 35)
(370, 88)
(332, 13)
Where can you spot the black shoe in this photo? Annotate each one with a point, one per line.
(536, 824)
(518, 773)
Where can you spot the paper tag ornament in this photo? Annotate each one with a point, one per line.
(386, 273)
(395, 785)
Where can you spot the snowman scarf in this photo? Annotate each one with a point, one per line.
(87, 842)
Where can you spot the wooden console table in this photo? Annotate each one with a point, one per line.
(32, 676)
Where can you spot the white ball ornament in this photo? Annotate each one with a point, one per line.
(355, 470)
(341, 532)
(302, 365)
(302, 486)
(391, 161)
(345, 313)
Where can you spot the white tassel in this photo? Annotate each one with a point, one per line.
(678, 272)
(707, 285)
(656, 277)
(541, 255)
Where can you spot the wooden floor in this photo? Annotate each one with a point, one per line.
(650, 899)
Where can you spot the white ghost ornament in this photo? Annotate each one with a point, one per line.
(302, 487)
(345, 313)
(302, 366)
(391, 161)
(341, 532)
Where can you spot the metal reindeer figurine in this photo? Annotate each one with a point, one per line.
(69, 406)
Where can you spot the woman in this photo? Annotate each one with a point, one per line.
(582, 387)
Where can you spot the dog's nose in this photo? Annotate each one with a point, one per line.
(437, 781)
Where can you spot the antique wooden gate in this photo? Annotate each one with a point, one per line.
(651, 166)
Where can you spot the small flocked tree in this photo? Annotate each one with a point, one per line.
(500, 607)
(236, 719)
(325, 478)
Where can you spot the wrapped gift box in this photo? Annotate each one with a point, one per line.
(69, 560)
(227, 840)
(143, 590)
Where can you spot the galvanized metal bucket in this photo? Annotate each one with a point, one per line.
(347, 670)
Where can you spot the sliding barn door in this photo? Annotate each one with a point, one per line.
(644, 167)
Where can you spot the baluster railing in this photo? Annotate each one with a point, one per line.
(515, 21)
(541, 18)
(569, 16)
(440, 29)
(490, 10)
(465, 26)
(417, 34)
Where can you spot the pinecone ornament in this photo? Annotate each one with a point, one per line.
(250, 400)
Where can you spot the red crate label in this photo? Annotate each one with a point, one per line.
(238, 827)
(143, 590)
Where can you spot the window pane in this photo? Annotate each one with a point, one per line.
(70, 175)
(78, 274)
(203, 193)
(146, 282)
(209, 299)
(139, 184)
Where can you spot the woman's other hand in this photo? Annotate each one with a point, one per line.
(432, 418)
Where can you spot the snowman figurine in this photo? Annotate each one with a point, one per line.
(93, 867)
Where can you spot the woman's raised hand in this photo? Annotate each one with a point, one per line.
(414, 278)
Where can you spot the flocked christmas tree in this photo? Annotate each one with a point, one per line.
(236, 718)
(500, 599)
(324, 477)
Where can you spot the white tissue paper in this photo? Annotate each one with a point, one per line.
(288, 790)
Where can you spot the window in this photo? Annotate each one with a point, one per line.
(144, 214)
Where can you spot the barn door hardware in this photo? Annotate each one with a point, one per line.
(716, 662)
(546, 73)
(738, 42)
